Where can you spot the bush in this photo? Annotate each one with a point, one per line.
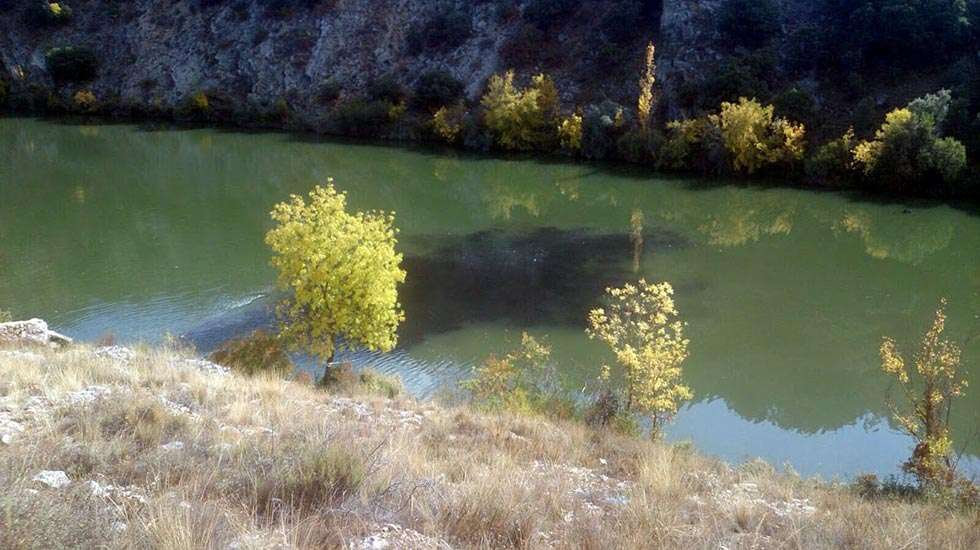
(795, 104)
(257, 353)
(908, 150)
(386, 88)
(342, 379)
(748, 24)
(315, 478)
(570, 133)
(71, 64)
(435, 89)
(602, 125)
(754, 138)
(4, 87)
(445, 32)
(545, 14)
(640, 146)
(49, 14)
(6, 316)
(361, 118)
(84, 101)
(522, 119)
(834, 160)
(329, 92)
(447, 123)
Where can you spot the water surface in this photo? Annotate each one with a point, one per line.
(141, 233)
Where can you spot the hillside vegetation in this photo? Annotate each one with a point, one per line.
(114, 448)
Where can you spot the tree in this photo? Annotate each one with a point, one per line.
(644, 104)
(908, 150)
(929, 390)
(342, 273)
(755, 138)
(522, 119)
(515, 381)
(641, 326)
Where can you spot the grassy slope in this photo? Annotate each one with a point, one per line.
(269, 463)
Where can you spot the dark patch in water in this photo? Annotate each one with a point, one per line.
(546, 276)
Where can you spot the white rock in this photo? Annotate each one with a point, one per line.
(115, 353)
(33, 331)
(173, 446)
(56, 479)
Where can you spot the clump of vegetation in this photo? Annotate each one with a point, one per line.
(747, 134)
(329, 92)
(521, 118)
(517, 382)
(436, 89)
(748, 24)
(258, 353)
(570, 133)
(447, 123)
(71, 64)
(640, 325)
(834, 160)
(909, 150)
(929, 388)
(6, 316)
(343, 379)
(602, 126)
(44, 13)
(326, 255)
(444, 32)
(313, 479)
(84, 101)
(645, 101)
(386, 88)
(361, 117)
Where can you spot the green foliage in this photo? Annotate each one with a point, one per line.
(257, 353)
(795, 104)
(436, 89)
(748, 24)
(342, 273)
(545, 14)
(447, 123)
(834, 160)
(43, 13)
(522, 119)
(746, 75)
(908, 151)
(329, 92)
(6, 316)
(444, 32)
(386, 88)
(522, 381)
(602, 126)
(361, 118)
(71, 64)
(342, 379)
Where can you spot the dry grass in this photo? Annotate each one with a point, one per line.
(188, 459)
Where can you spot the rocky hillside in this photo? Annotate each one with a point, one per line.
(150, 448)
(289, 59)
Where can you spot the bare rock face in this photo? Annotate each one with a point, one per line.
(34, 332)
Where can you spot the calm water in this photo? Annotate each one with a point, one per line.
(139, 233)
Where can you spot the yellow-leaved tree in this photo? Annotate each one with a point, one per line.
(342, 273)
(641, 326)
(521, 119)
(928, 388)
(755, 138)
(645, 101)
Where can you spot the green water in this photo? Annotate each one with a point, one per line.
(140, 232)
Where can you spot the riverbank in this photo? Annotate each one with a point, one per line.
(113, 447)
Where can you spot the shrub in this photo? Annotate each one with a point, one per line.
(602, 125)
(4, 87)
(545, 14)
(570, 132)
(386, 88)
(46, 13)
(446, 31)
(315, 478)
(522, 119)
(435, 89)
(325, 255)
(6, 316)
(794, 104)
(343, 379)
(361, 118)
(71, 64)
(748, 24)
(928, 391)
(329, 92)
(447, 122)
(257, 353)
(641, 326)
(754, 138)
(640, 145)
(84, 100)
(834, 160)
(909, 150)
(692, 144)
(521, 381)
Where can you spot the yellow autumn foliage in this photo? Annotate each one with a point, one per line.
(521, 119)
(755, 138)
(570, 132)
(641, 326)
(929, 387)
(341, 270)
